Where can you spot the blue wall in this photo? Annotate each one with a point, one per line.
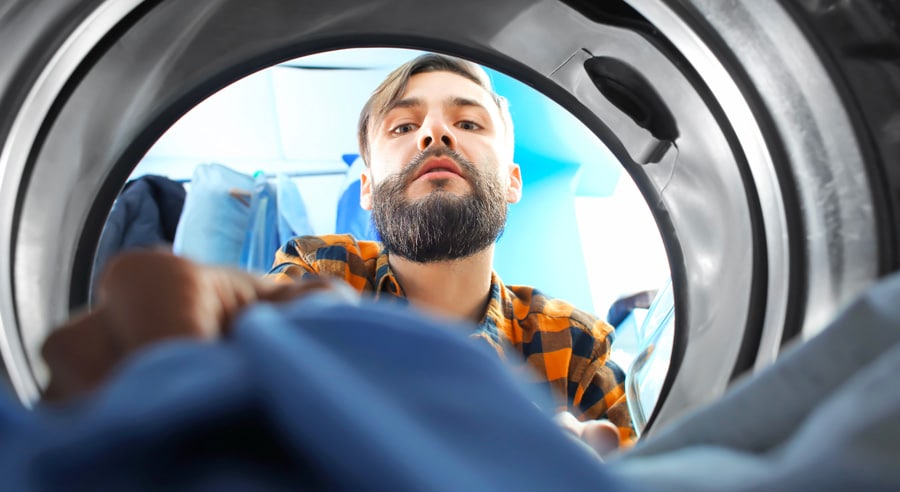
(560, 159)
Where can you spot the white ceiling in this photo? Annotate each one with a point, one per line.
(296, 117)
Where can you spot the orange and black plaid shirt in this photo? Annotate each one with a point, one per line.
(568, 348)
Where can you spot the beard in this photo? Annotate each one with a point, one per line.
(442, 225)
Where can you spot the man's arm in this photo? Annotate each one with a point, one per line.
(338, 256)
(601, 436)
(601, 388)
(604, 395)
(291, 263)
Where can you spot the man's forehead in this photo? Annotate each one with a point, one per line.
(444, 87)
(452, 101)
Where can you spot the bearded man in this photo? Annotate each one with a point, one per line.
(438, 146)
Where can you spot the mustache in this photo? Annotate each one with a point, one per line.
(466, 166)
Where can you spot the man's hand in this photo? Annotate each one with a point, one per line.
(600, 435)
(146, 297)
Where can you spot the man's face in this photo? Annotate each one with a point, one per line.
(440, 170)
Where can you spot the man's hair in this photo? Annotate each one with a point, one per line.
(393, 87)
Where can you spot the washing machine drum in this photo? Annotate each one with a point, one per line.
(760, 133)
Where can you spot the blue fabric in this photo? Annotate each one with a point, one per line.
(293, 219)
(622, 307)
(214, 224)
(261, 240)
(145, 214)
(321, 394)
(315, 394)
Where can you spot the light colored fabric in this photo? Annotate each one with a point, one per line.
(261, 240)
(233, 219)
(826, 416)
(293, 219)
(213, 223)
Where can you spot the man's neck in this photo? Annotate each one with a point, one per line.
(457, 289)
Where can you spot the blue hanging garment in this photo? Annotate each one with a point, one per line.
(261, 239)
(293, 220)
(216, 216)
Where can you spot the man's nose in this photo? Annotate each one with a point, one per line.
(436, 131)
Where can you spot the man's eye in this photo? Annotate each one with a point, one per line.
(468, 125)
(405, 128)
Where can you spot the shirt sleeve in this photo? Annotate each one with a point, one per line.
(292, 263)
(601, 388)
(337, 256)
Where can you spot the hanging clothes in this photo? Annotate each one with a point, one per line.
(146, 214)
(234, 219)
(216, 216)
(261, 239)
(293, 219)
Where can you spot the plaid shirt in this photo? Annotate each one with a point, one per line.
(568, 348)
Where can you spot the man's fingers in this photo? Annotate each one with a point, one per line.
(152, 296)
(79, 354)
(284, 291)
(240, 289)
(569, 423)
(601, 435)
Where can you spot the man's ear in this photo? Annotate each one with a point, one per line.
(514, 191)
(365, 189)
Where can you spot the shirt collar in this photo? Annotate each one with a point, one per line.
(498, 317)
(499, 308)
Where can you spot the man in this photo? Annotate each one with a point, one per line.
(438, 147)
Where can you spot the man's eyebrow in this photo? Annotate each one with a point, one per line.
(412, 102)
(461, 102)
(409, 102)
